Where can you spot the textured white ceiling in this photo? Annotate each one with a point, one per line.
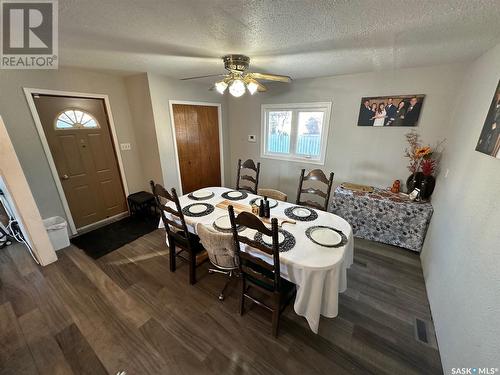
(308, 38)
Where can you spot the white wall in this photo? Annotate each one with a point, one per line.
(357, 154)
(144, 125)
(17, 191)
(461, 255)
(163, 89)
(21, 128)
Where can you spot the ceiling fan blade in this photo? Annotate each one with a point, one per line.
(210, 75)
(249, 79)
(261, 87)
(271, 77)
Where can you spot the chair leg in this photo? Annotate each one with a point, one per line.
(192, 268)
(242, 296)
(229, 278)
(276, 315)
(172, 254)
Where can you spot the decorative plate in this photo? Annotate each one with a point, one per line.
(201, 195)
(301, 213)
(285, 238)
(198, 209)
(326, 236)
(235, 195)
(223, 224)
(272, 202)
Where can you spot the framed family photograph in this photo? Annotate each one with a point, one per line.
(489, 139)
(401, 110)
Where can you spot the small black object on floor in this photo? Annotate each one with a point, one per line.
(104, 240)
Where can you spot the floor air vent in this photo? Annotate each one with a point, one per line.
(421, 331)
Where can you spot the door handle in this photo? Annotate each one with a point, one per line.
(65, 177)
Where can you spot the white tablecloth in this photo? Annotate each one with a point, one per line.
(319, 272)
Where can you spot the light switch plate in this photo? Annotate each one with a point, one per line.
(252, 138)
(125, 146)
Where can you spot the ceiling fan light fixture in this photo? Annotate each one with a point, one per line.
(252, 87)
(237, 88)
(238, 79)
(221, 87)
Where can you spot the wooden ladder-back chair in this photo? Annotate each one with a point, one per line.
(253, 180)
(316, 175)
(177, 232)
(273, 193)
(258, 274)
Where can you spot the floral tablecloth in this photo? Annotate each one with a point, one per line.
(384, 216)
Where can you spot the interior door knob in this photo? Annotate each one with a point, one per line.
(65, 177)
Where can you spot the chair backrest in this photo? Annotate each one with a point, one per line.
(172, 218)
(219, 246)
(273, 193)
(318, 176)
(250, 265)
(253, 180)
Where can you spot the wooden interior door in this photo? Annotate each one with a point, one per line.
(79, 138)
(197, 137)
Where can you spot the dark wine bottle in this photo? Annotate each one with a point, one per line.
(262, 209)
(267, 209)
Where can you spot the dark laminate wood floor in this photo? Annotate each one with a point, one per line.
(126, 311)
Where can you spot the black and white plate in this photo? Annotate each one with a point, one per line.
(300, 213)
(198, 209)
(286, 240)
(326, 236)
(223, 224)
(201, 195)
(272, 202)
(235, 195)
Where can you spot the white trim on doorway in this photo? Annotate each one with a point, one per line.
(29, 92)
(221, 140)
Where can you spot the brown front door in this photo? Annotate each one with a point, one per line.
(79, 137)
(197, 136)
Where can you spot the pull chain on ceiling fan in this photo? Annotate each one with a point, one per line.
(238, 80)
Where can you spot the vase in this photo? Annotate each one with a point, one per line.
(414, 181)
(427, 185)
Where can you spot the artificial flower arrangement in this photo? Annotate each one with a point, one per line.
(423, 164)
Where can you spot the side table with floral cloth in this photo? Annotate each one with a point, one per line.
(384, 216)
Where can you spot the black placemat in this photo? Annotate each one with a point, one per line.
(287, 244)
(289, 213)
(244, 194)
(258, 198)
(342, 235)
(208, 211)
(191, 196)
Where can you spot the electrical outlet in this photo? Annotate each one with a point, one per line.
(125, 146)
(252, 138)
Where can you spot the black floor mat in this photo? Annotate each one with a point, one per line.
(103, 240)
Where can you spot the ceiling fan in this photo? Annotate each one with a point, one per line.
(238, 79)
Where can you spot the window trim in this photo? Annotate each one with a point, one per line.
(295, 108)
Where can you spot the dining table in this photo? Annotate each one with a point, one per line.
(318, 271)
